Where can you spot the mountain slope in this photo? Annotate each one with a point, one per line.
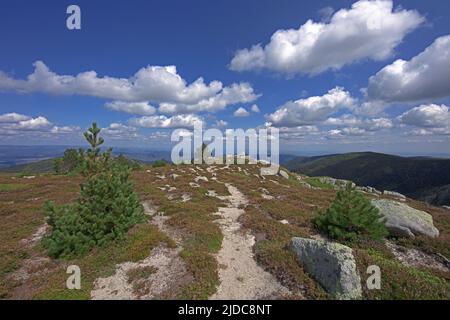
(211, 232)
(418, 177)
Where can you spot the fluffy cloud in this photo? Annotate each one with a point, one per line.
(344, 132)
(26, 127)
(236, 93)
(153, 83)
(369, 30)
(12, 117)
(348, 120)
(119, 131)
(295, 133)
(311, 110)
(221, 124)
(424, 77)
(137, 108)
(255, 108)
(178, 121)
(65, 129)
(14, 124)
(427, 116)
(241, 113)
(38, 123)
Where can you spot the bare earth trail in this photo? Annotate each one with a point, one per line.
(240, 276)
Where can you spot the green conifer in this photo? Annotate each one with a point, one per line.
(351, 216)
(106, 209)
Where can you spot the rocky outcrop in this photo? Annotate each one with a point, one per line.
(337, 183)
(404, 221)
(394, 194)
(370, 190)
(331, 264)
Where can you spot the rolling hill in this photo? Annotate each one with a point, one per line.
(421, 178)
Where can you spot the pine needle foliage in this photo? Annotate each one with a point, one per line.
(351, 217)
(106, 209)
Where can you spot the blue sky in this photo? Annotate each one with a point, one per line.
(312, 82)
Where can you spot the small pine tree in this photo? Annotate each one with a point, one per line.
(351, 216)
(106, 209)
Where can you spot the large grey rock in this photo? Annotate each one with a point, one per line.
(404, 221)
(331, 264)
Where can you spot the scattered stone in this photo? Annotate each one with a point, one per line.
(185, 197)
(201, 178)
(149, 208)
(284, 174)
(305, 184)
(29, 177)
(194, 185)
(331, 264)
(337, 183)
(171, 196)
(404, 221)
(174, 176)
(212, 193)
(284, 221)
(162, 177)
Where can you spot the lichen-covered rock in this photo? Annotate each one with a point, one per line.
(331, 264)
(404, 221)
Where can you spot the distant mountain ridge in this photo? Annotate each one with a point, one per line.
(39, 159)
(422, 178)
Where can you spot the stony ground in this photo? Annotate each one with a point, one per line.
(213, 232)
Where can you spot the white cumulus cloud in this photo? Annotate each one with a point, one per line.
(157, 84)
(311, 110)
(161, 121)
(236, 93)
(371, 29)
(118, 131)
(255, 108)
(13, 117)
(241, 113)
(424, 77)
(137, 108)
(427, 116)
